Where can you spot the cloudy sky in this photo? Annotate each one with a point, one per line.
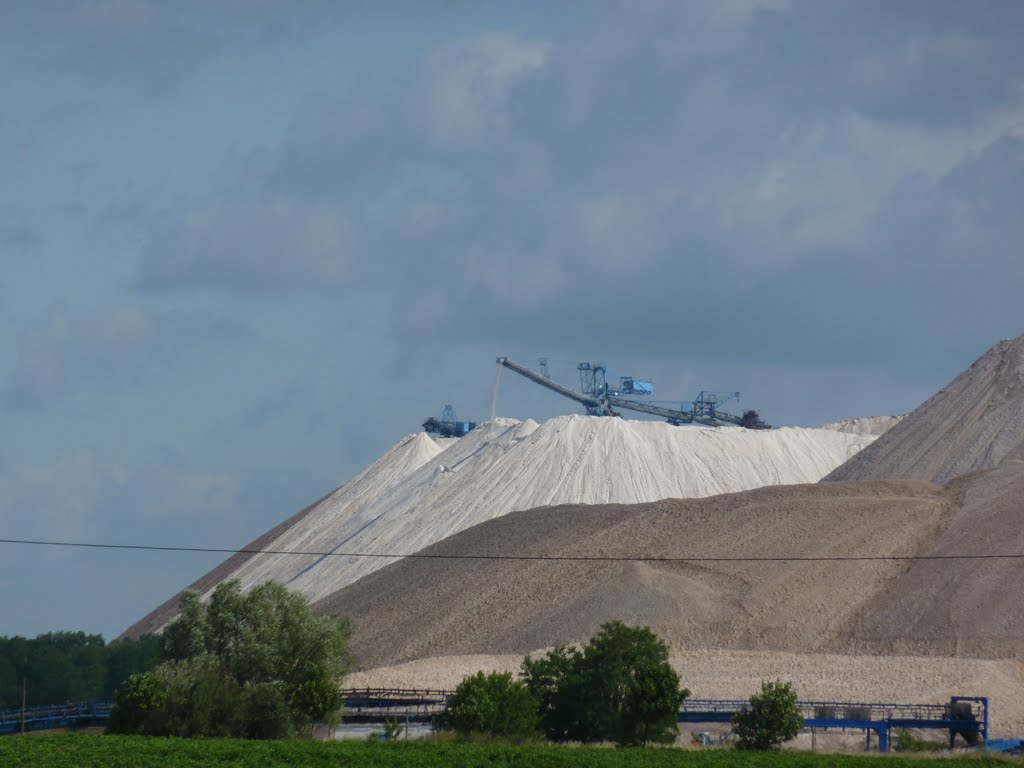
(248, 245)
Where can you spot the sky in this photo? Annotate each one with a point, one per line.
(248, 245)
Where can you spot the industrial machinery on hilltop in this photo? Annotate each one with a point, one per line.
(600, 399)
(448, 425)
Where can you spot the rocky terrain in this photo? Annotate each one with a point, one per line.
(974, 422)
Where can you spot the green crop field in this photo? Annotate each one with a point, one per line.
(88, 751)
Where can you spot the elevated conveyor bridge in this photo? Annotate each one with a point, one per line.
(964, 716)
(62, 717)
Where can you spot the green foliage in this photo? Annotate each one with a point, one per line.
(319, 699)
(260, 665)
(906, 741)
(772, 718)
(392, 731)
(128, 657)
(200, 699)
(138, 701)
(553, 681)
(78, 751)
(59, 667)
(619, 688)
(492, 704)
(265, 712)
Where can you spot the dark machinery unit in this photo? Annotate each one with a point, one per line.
(448, 425)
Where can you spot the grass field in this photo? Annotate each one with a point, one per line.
(84, 751)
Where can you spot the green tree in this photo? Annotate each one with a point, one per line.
(554, 682)
(492, 704)
(260, 664)
(58, 667)
(127, 657)
(265, 712)
(137, 704)
(200, 698)
(771, 719)
(619, 688)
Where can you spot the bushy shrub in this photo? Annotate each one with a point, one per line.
(258, 665)
(906, 741)
(619, 688)
(771, 719)
(493, 704)
(200, 699)
(136, 705)
(265, 713)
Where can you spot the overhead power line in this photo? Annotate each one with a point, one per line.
(553, 558)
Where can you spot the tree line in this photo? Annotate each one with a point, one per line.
(62, 667)
(263, 664)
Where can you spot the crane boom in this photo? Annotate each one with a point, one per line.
(674, 416)
(592, 405)
(703, 410)
(749, 420)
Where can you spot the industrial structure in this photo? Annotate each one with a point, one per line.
(601, 399)
(448, 425)
(964, 716)
(60, 716)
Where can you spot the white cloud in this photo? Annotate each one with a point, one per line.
(461, 89)
(645, 173)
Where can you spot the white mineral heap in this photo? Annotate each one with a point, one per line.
(422, 490)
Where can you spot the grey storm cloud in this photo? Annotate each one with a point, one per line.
(149, 45)
(66, 351)
(760, 181)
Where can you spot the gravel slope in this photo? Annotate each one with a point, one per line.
(875, 426)
(973, 423)
(423, 490)
(420, 608)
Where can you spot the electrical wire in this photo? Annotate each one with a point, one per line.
(531, 558)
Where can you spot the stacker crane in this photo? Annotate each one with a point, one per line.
(600, 399)
(448, 425)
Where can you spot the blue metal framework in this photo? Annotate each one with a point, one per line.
(966, 716)
(70, 716)
(377, 705)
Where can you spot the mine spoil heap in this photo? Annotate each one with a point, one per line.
(973, 423)
(721, 540)
(421, 608)
(424, 490)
